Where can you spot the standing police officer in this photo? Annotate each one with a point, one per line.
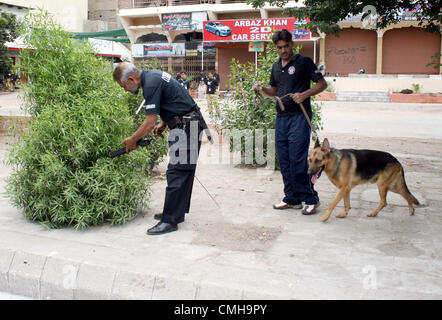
(184, 82)
(165, 97)
(292, 74)
(212, 83)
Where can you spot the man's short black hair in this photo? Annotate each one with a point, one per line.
(283, 34)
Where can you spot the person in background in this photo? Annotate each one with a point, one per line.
(184, 82)
(216, 75)
(201, 78)
(212, 85)
(178, 76)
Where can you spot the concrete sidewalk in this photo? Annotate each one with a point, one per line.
(247, 250)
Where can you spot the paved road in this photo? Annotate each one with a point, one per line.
(360, 118)
(10, 103)
(383, 119)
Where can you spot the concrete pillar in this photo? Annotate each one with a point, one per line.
(169, 65)
(322, 48)
(212, 15)
(379, 52)
(216, 60)
(264, 14)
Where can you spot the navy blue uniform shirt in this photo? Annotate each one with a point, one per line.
(211, 85)
(294, 77)
(164, 95)
(184, 83)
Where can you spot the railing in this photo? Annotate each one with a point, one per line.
(132, 4)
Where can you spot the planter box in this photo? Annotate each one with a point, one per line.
(326, 96)
(19, 123)
(416, 98)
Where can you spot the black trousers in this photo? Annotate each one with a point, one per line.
(184, 147)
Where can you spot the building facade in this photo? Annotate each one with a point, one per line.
(102, 16)
(70, 14)
(402, 48)
(143, 22)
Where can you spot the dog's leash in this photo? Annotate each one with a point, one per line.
(316, 176)
(282, 107)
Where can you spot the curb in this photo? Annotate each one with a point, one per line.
(51, 278)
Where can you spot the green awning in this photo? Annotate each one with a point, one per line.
(118, 35)
(125, 40)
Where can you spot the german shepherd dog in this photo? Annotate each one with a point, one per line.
(347, 168)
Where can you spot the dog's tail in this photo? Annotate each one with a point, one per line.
(407, 191)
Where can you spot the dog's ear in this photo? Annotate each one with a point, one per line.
(326, 145)
(317, 143)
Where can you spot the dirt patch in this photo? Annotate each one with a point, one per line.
(400, 249)
(237, 237)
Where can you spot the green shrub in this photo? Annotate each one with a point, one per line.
(247, 110)
(416, 87)
(330, 87)
(62, 175)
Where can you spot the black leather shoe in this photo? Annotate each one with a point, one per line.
(161, 228)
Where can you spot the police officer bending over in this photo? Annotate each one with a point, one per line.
(165, 97)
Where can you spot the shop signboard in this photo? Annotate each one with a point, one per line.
(187, 49)
(247, 30)
(196, 48)
(209, 48)
(257, 46)
(183, 21)
(191, 49)
(176, 21)
(158, 50)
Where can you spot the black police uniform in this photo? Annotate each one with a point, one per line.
(201, 77)
(184, 83)
(216, 76)
(292, 131)
(166, 97)
(211, 85)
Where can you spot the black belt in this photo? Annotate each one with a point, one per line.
(177, 120)
(194, 114)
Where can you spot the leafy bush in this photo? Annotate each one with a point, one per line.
(8, 26)
(330, 87)
(416, 87)
(247, 110)
(62, 175)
